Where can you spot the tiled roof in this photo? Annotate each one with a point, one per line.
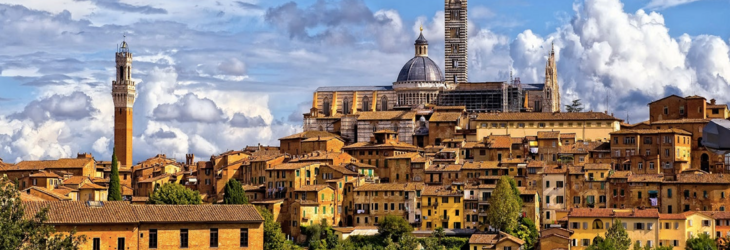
(252, 187)
(153, 179)
(48, 192)
(127, 191)
(410, 186)
(91, 186)
(321, 155)
(390, 144)
(78, 212)
(517, 140)
(265, 157)
(724, 215)
(386, 115)
(309, 134)
(694, 97)
(75, 180)
(441, 191)
(646, 178)
(620, 175)
(444, 168)
(535, 164)
(548, 135)
(575, 170)
(496, 141)
(567, 136)
(492, 239)
(717, 106)
(651, 131)
(60, 163)
(324, 138)
(342, 169)
(580, 147)
(597, 166)
(672, 217)
(309, 188)
(290, 166)
(513, 161)
(206, 213)
(554, 169)
(704, 178)
(541, 116)
(62, 191)
(679, 121)
(613, 213)
(140, 198)
(481, 165)
(26, 197)
(445, 117)
(45, 175)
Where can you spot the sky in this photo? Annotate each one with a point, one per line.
(219, 75)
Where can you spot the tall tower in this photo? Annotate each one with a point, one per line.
(551, 89)
(456, 65)
(123, 93)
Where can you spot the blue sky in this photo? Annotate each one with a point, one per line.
(220, 75)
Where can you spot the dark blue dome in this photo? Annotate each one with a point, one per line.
(420, 68)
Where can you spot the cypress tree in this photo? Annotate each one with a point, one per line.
(115, 190)
(234, 193)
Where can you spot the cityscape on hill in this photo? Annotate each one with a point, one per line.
(450, 153)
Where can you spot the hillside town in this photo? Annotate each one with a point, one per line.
(447, 157)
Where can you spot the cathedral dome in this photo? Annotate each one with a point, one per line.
(420, 68)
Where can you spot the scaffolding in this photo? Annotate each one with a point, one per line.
(485, 97)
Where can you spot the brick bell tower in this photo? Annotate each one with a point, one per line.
(123, 93)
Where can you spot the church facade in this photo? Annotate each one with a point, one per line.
(405, 106)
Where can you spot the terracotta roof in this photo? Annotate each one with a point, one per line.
(613, 213)
(45, 175)
(390, 144)
(445, 117)
(567, 136)
(694, 97)
(513, 161)
(724, 215)
(554, 169)
(26, 197)
(309, 188)
(75, 180)
(517, 140)
(252, 187)
(153, 179)
(717, 106)
(646, 178)
(126, 191)
(91, 186)
(651, 131)
(575, 170)
(525, 190)
(410, 186)
(496, 141)
(50, 164)
(548, 135)
(703, 178)
(79, 212)
(682, 121)
(321, 155)
(481, 165)
(309, 134)
(386, 115)
(205, 213)
(341, 168)
(620, 175)
(672, 216)
(140, 198)
(361, 165)
(265, 157)
(62, 191)
(597, 166)
(48, 192)
(580, 147)
(543, 116)
(535, 164)
(441, 191)
(290, 166)
(325, 138)
(491, 239)
(100, 180)
(444, 168)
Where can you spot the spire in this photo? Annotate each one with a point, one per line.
(421, 44)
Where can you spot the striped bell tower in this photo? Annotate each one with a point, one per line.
(455, 22)
(123, 93)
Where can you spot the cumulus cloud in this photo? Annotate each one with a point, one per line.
(190, 108)
(161, 134)
(232, 66)
(242, 121)
(57, 107)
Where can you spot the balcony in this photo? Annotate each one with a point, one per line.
(435, 205)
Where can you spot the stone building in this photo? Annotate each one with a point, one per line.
(292, 144)
(553, 193)
(652, 151)
(375, 201)
(442, 206)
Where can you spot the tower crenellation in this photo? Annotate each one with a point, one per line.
(123, 94)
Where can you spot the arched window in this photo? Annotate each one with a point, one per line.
(365, 104)
(346, 106)
(597, 224)
(326, 106)
(383, 104)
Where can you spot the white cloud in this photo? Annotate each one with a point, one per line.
(663, 4)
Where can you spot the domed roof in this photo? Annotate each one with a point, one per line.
(420, 68)
(421, 40)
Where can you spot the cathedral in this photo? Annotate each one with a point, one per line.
(422, 85)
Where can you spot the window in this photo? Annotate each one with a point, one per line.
(547, 199)
(639, 226)
(214, 237)
(586, 242)
(120, 243)
(669, 193)
(244, 237)
(547, 184)
(559, 184)
(153, 238)
(183, 238)
(96, 245)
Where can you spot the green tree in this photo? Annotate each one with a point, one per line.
(175, 194)
(616, 238)
(527, 231)
(29, 233)
(115, 190)
(516, 191)
(273, 237)
(576, 106)
(394, 227)
(701, 242)
(504, 208)
(234, 193)
(439, 234)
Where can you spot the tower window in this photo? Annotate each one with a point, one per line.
(454, 63)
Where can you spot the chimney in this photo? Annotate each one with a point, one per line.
(712, 101)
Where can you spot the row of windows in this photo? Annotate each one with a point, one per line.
(347, 105)
(184, 239)
(543, 124)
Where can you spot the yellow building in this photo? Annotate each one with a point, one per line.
(585, 125)
(673, 230)
(587, 223)
(311, 205)
(504, 241)
(442, 206)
